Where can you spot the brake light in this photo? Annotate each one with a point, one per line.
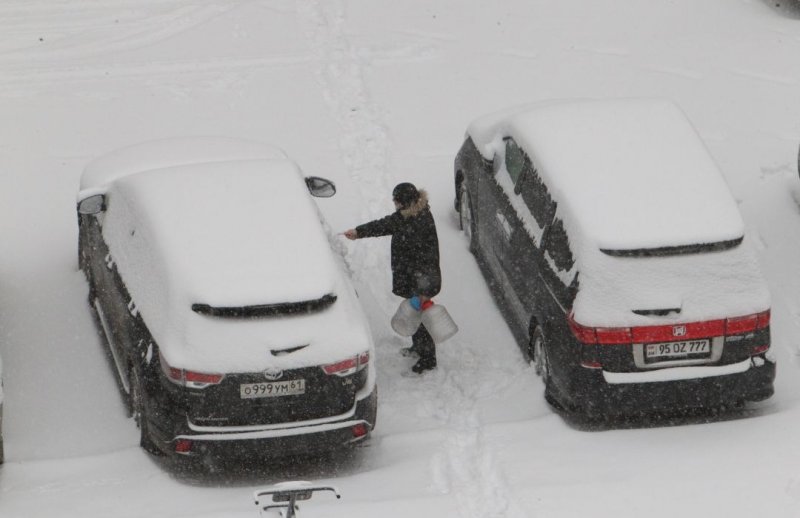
(747, 323)
(183, 446)
(599, 335)
(348, 366)
(201, 377)
(342, 368)
(186, 378)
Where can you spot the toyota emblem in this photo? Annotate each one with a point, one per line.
(678, 330)
(273, 374)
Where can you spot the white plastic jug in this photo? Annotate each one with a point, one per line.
(406, 319)
(439, 323)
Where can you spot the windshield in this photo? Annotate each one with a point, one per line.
(675, 250)
(263, 310)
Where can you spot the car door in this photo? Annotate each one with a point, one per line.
(534, 210)
(498, 214)
(478, 179)
(560, 278)
(113, 305)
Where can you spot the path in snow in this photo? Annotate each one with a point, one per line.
(466, 467)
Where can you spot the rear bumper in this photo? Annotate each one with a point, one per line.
(278, 440)
(599, 393)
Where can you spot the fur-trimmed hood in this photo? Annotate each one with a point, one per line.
(418, 206)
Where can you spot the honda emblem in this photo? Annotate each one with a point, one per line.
(678, 330)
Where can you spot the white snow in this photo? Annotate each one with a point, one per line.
(370, 94)
(704, 286)
(172, 152)
(632, 173)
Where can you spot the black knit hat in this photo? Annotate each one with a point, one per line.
(405, 193)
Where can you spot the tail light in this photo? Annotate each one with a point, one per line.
(186, 378)
(348, 366)
(747, 323)
(600, 335)
(183, 446)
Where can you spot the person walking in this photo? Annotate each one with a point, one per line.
(415, 259)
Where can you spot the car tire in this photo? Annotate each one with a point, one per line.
(139, 413)
(466, 221)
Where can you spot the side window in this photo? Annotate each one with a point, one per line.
(515, 160)
(556, 244)
(536, 196)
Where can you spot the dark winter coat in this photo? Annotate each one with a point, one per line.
(415, 248)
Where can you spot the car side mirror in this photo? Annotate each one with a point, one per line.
(320, 187)
(92, 205)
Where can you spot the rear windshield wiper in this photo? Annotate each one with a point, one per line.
(263, 310)
(675, 250)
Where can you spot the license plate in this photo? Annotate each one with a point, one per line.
(272, 389)
(673, 350)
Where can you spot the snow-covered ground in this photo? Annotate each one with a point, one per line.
(369, 94)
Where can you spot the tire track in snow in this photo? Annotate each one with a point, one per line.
(71, 55)
(363, 143)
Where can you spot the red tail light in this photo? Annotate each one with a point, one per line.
(186, 378)
(201, 377)
(747, 323)
(342, 368)
(183, 446)
(348, 366)
(359, 430)
(599, 335)
(761, 349)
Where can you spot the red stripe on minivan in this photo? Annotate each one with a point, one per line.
(669, 333)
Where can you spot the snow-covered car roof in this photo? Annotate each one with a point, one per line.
(170, 152)
(241, 233)
(632, 173)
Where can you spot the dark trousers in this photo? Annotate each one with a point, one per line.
(423, 343)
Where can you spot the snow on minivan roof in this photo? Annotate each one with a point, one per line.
(633, 173)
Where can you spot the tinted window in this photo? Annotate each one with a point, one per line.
(537, 198)
(556, 243)
(515, 160)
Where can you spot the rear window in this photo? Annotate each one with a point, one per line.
(699, 248)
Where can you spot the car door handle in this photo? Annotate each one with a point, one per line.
(504, 225)
(109, 262)
(132, 308)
